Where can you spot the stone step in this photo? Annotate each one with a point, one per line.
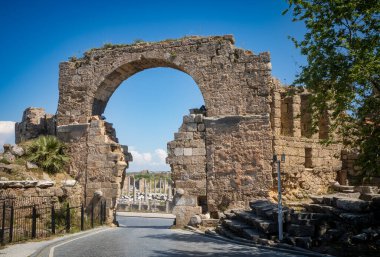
(262, 225)
(358, 220)
(352, 205)
(242, 229)
(263, 208)
(230, 215)
(302, 218)
(226, 232)
(210, 222)
(303, 242)
(301, 230)
(368, 196)
(321, 208)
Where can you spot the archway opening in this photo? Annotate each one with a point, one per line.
(147, 110)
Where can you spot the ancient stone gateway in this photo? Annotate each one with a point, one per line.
(221, 157)
(235, 85)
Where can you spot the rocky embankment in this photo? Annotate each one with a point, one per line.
(340, 224)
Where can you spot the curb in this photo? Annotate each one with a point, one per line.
(241, 241)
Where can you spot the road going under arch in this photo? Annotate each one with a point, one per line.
(142, 237)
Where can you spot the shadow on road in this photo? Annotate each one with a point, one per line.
(211, 247)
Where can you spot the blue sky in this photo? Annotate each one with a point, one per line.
(147, 108)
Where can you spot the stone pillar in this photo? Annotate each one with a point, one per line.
(165, 186)
(134, 190)
(296, 116)
(145, 191)
(160, 186)
(128, 185)
(154, 184)
(169, 190)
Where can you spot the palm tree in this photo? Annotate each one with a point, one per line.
(48, 153)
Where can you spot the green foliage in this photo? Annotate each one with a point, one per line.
(20, 161)
(138, 41)
(4, 161)
(342, 47)
(48, 153)
(107, 45)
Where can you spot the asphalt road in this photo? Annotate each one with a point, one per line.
(144, 237)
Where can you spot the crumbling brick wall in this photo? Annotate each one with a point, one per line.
(187, 156)
(35, 122)
(309, 165)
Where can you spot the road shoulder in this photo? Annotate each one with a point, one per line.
(35, 249)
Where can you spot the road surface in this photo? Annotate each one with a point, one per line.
(143, 237)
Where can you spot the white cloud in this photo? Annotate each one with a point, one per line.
(148, 161)
(7, 133)
(161, 154)
(141, 158)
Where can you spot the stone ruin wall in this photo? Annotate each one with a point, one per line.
(98, 160)
(96, 156)
(235, 84)
(309, 166)
(35, 122)
(187, 159)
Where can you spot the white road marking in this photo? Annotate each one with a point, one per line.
(51, 252)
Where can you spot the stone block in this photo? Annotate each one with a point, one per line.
(185, 184)
(367, 189)
(183, 135)
(191, 127)
(187, 151)
(186, 200)
(199, 151)
(352, 205)
(201, 127)
(301, 231)
(188, 118)
(198, 118)
(178, 152)
(184, 213)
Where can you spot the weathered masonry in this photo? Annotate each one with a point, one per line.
(221, 156)
(235, 84)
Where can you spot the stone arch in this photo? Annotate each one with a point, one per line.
(113, 80)
(235, 85)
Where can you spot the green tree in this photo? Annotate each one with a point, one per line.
(342, 48)
(48, 153)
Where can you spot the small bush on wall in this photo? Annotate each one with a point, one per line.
(48, 153)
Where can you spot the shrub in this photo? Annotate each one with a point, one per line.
(48, 153)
